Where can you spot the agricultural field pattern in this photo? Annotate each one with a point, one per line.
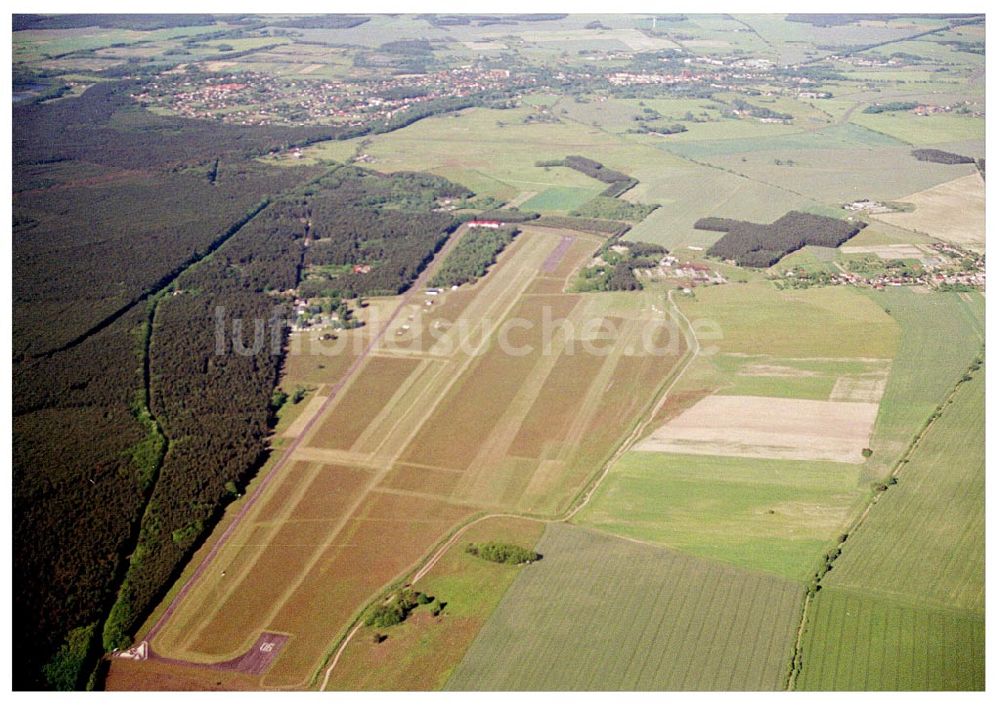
(499, 352)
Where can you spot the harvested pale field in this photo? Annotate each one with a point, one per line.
(887, 251)
(485, 45)
(308, 412)
(954, 212)
(362, 402)
(768, 428)
(864, 389)
(310, 68)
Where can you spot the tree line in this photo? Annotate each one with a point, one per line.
(749, 244)
(933, 155)
(473, 255)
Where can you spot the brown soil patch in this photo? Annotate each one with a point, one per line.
(557, 404)
(152, 675)
(388, 536)
(576, 256)
(287, 487)
(462, 424)
(858, 389)
(362, 402)
(422, 479)
(332, 491)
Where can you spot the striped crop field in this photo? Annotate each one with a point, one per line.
(925, 539)
(858, 641)
(909, 586)
(604, 613)
(940, 334)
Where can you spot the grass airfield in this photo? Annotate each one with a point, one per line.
(685, 570)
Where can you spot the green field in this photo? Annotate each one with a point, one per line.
(861, 642)
(903, 606)
(923, 130)
(422, 653)
(690, 191)
(811, 379)
(756, 318)
(924, 540)
(560, 199)
(602, 613)
(874, 172)
(494, 152)
(940, 334)
(835, 137)
(777, 516)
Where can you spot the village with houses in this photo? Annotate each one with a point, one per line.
(938, 266)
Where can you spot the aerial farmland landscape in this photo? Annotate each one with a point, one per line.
(499, 352)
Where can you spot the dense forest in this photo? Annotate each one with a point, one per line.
(610, 208)
(383, 225)
(105, 126)
(135, 21)
(584, 224)
(507, 214)
(324, 22)
(933, 155)
(214, 355)
(134, 237)
(890, 106)
(138, 230)
(618, 182)
(473, 255)
(749, 244)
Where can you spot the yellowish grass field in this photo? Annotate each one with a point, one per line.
(954, 212)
